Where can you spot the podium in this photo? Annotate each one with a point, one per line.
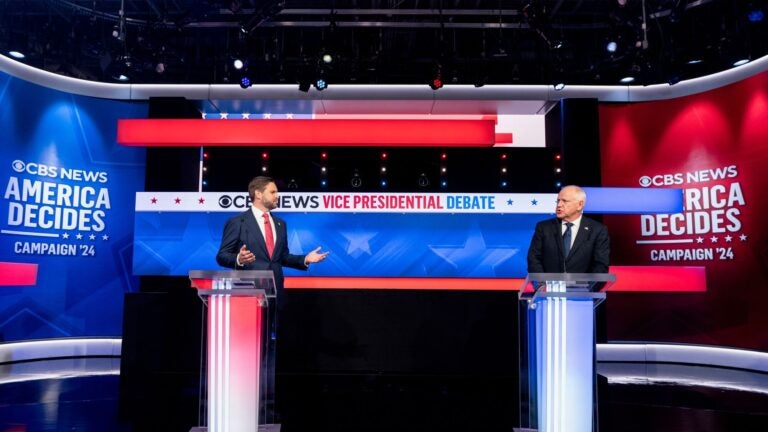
(557, 350)
(239, 353)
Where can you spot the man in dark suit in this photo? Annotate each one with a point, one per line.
(258, 240)
(569, 243)
(249, 235)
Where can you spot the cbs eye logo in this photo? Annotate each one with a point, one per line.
(225, 201)
(238, 201)
(645, 181)
(18, 166)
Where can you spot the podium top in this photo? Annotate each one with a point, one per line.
(583, 285)
(233, 280)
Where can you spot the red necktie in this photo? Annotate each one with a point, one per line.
(268, 236)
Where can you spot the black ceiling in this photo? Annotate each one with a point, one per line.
(384, 42)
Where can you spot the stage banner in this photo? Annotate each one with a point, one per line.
(434, 235)
(66, 213)
(711, 145)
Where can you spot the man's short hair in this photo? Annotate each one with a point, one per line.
(258, 183)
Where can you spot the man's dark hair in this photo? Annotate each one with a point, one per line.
(258, 183)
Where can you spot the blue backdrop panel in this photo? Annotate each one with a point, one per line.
(360, 245)
(67, 206)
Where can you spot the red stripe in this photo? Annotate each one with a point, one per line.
(628, 278)
(300, 132)
(18, 274)
(504, 138)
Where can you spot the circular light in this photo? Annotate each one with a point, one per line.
(238, 64)
(611, 47)
(741, 62)
(559, 86)
(122, 77)
(16, 54)
(694, 61)
(327, 58)
(320, 84)
(627, 79)
(245, 82)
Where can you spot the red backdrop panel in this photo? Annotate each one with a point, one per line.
(714, 146)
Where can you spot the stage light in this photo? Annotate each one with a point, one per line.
(323, 169)
(245, 82)
(16, 54)
(320, 84)
(444, 184)
(627, 79)
(324, 155)
(755, 15)
(559, 86)
(238, 64)
(423, 180)
(383, 169)
(503, 170)
(557, 156)
(384, 156)
(323, 183)
(443, 170)
(436, 83)
(741, 62)
(504, 183)
(383, 183)
(356, 181)
(443, 156)
(503, 156)
(264, 169)
(265, 155)
(327, 58)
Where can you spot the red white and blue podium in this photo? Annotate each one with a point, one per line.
(237, 369)
(557, 350)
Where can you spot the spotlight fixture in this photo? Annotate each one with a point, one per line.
(238, 64)
(245, 82)
(327, 58)
(16, 54)
(436, 83)
(611, 46)
(627, 80)
(559, 86)
(320, 84)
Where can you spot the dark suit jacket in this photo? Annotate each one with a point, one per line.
(242, 229)
(589, 253)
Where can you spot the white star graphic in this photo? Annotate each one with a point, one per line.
(246, 116)
(289, 116)
(65, 235)
(267, 115)
(105, 237)
(359, 240)
(224, 116)
(743, 237)
(714, 239)
(699, 240)
(728, 239)
(92, 237)
(205, 115)
(79, 236)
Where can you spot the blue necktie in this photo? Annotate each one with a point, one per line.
(567, 239)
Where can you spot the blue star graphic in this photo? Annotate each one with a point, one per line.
(534, 202)
(510, 202)
(474, 257)
(359, 241)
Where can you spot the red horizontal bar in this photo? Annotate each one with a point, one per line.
(18, 274)
(303, 132)
(659, 279)
(628, 278)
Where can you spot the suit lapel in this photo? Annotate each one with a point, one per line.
(557, 231)
(582, 236)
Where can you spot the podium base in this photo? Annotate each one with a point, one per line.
(262, 428)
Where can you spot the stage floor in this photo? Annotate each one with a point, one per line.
(87, 395)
